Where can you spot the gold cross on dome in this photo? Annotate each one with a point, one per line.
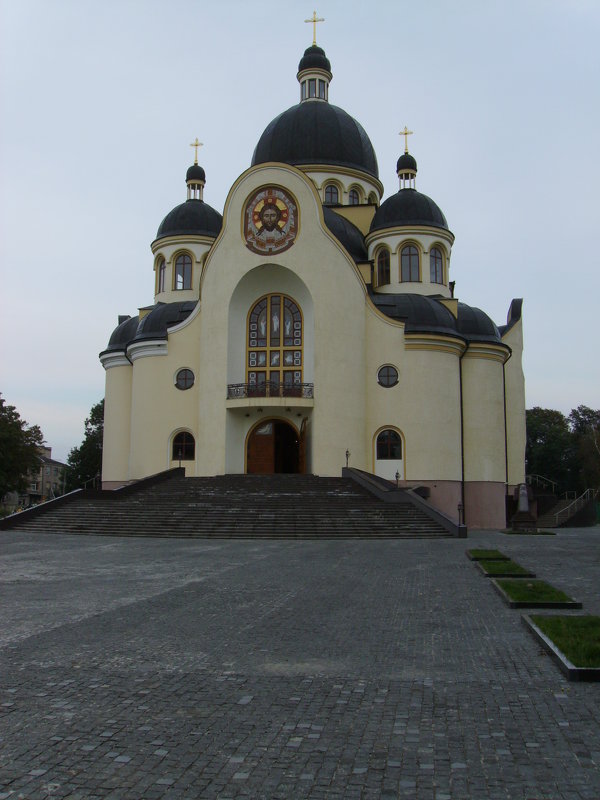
(314, 19)
(406, 133)
(196, 144)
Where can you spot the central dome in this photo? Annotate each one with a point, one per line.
(317, 133)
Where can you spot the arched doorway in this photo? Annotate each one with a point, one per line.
(273, 446)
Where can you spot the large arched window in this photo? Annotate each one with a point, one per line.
(436, 265)
(161, 271)
(353, 197)
(274, 357)
(332, 196)
(409, 263)
(184, 447)
(389, 445)
(383, 267)
(183, 272)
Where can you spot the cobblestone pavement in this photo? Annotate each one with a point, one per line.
(148, 668)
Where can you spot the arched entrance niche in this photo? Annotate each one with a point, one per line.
(274, 446)
(267, 279)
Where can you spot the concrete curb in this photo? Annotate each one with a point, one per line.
(481, 568)
(572, 672)
(533, 604)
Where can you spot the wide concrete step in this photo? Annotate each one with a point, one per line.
(239, 507)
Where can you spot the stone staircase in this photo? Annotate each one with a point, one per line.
(235, 506)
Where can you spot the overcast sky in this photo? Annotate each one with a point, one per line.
(100, 100)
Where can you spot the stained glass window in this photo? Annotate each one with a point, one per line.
(274, 343)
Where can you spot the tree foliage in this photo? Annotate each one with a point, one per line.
(85, 462)
(20, 446)
(564, 449)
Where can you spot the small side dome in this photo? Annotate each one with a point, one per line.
(195, 173)
(408, 207)
(314, 58)
(122, 335)
(347, 234)
(194, 217)
(475, 324)
(406, 162)
(163, 316)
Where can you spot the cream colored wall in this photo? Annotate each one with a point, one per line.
(117, 418)
(515, 405)
(318, 272)
(424, 238)
(345, 180)
(169, 248)
(424, 405)
(483, 403)
(160, 409)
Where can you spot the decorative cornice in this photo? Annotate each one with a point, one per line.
(430, 341)
(147, 348)
(114, 359)
(485, 350)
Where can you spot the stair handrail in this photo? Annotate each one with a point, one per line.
(572, 508)
(541, 480)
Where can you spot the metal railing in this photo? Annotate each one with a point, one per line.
(241, 391)
(541, 482)
(566, 513)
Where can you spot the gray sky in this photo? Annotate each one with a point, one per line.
(99, 102)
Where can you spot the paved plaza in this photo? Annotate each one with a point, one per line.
(153, 668)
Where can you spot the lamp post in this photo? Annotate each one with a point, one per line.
(397, 479)
(348, 454)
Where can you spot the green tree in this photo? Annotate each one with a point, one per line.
(19, 448)
(585, 426)
(549, 450)
(85, 462)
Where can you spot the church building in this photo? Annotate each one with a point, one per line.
(314, 323)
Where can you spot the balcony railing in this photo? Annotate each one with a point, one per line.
(241, 391)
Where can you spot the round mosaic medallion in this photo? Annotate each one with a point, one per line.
(270, 221)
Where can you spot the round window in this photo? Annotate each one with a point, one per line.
(387, 376)
(184, 379)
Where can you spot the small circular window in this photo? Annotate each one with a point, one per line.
(184, 379)
(387, 376)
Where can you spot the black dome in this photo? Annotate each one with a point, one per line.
(405, 162)
(154, 325)
(192, 217)
(408, 207)
(422, 314)
(346, 233)
(195, 173)
(316, 133)
(314, 58)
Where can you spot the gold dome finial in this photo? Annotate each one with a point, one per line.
(314, 19)
(196, 144)
(406, 133)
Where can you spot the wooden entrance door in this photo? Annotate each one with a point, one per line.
(273, 447)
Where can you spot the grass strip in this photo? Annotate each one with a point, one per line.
(480, 555)
(577, 637)
(504, 567)
(524, 591)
